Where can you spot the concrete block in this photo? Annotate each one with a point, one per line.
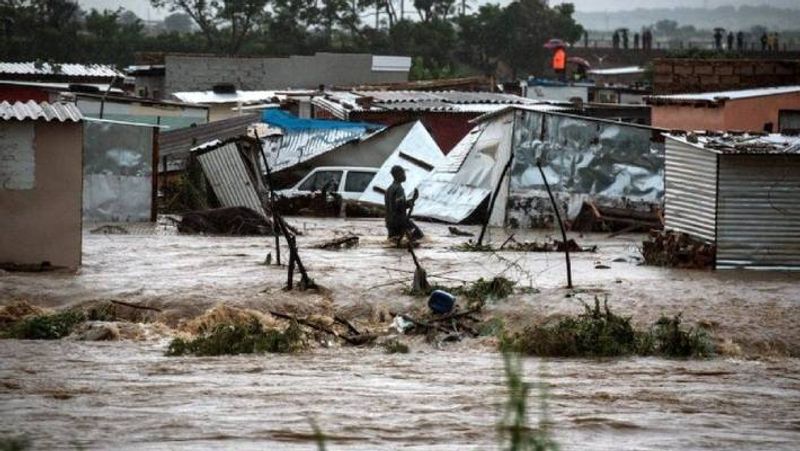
(703, 69)
(723, 70)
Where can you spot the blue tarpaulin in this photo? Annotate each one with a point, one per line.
(289, 122)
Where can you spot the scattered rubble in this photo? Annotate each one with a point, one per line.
(512, 245)
(678, 250)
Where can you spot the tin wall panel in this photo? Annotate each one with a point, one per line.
(691, 190)
(230, 178)
(759, 211)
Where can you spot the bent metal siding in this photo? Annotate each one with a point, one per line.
(691, 190)
(759, 211)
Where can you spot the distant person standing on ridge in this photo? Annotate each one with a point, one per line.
(776, 47)
(636, 41)
(586, 39)
(718, 38)
(740, 41)
(615, 40)
(730, 41)
(625, 38)
(764, 41)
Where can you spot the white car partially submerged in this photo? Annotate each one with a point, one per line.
(346, 181)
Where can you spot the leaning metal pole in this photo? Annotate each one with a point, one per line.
(275, 223)
(560, 224)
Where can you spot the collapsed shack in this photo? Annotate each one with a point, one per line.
(612, 164)
(678, 250)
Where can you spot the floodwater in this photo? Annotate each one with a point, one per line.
(129, 396)
(69, 394)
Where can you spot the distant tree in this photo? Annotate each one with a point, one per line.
(127, 17)
(666, 27)
(225, 24)
(178, 22)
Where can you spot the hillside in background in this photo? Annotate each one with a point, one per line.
(728, 17)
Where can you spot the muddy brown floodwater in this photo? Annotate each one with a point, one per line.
(129, 396)
(69, 394)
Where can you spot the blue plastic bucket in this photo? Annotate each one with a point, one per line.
(441, 302)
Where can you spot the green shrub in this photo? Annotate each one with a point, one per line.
(598, 332)
(51, 326)
(231, 339)
(667, 337)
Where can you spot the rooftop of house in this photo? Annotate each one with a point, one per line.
(721, 96)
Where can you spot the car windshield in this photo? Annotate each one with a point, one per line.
(322, 181)
(357, 181)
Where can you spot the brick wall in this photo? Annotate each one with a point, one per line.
(199, 73)
(675, 76)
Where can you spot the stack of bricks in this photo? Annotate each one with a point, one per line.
(681, 76)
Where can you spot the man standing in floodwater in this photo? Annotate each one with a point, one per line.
(398, 223)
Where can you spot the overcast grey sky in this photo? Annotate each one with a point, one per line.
(143, 9)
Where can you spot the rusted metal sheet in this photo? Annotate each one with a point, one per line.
(30, 110)
(691, 190)
(230, 179)
(758, 223)
(181, 141)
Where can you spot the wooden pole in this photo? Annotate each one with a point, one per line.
(560, 224)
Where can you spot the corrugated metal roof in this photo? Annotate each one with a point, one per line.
(341, 103)
(742, 143)
(67, 69)
(721, 96)
(297, 146)
(239, 96)
(618, 70)
(180, 141)
(31, 110)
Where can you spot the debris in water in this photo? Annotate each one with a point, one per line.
(249, 338)
(345, 242)
(455, 231)
(239, 221)
(678, 250)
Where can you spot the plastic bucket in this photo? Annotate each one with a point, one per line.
(441, 302)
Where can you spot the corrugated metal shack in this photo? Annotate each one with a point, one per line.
(740, 192)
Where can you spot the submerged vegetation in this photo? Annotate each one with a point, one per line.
(598, 332)
(515, 434)
(48, 326)
(240, 338)
(395, 347)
